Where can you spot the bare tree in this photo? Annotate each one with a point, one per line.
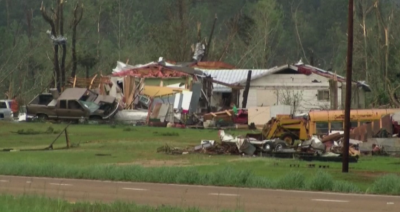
(56, 34)
(292, 97)
(78, 13)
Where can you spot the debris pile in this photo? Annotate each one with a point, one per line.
(329, 147)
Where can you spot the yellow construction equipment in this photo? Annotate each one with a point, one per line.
(287, 128)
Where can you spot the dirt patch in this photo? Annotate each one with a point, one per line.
(247, 159)
(370, 176)
(160, 163)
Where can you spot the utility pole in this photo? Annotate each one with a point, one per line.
(345, 164)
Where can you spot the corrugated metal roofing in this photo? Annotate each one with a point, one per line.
(231, 76)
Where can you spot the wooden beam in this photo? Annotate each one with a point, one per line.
(73, 85)
(67, 138)
(91, 82)
(238, 87)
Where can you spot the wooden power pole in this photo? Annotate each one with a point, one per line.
(345, 164)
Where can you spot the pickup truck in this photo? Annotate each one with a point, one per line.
(5, 110)
(73, 104)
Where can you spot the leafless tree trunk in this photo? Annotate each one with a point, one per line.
(56, 22)
(8, 12)
(296, 27)
(52, 23)
(364, 12)
(64, 47)
(98, 31)
(78, 13)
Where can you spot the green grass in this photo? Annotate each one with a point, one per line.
(41, 204)
(124, 148)
(320, 181)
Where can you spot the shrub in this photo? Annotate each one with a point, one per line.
(345, 187)
(293, 180)
(321, 181)
(388, 184)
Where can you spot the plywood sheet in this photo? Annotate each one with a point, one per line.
(266, 98)
(259, 115)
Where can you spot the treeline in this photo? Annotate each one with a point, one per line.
(247, 34)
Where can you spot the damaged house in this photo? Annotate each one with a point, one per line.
(163, 89)
(302, 86)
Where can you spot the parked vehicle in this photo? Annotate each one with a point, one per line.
(5, 110)
(73, 104)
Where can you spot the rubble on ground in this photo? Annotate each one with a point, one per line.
(247, 146)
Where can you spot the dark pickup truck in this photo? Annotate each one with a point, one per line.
(73, 104)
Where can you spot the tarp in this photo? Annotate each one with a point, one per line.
(156, 91)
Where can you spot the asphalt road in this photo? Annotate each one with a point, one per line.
(206, 197)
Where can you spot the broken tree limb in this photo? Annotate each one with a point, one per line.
(47, 18)
(392, 93)
(58, 136)
(67, 138)
(207, 50)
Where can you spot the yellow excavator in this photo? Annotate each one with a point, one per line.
(286, 128)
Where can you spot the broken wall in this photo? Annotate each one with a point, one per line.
(357, 97)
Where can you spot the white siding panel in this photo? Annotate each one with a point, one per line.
(310, 101)
(251, 98)
(266, 97)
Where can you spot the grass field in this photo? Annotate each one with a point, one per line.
(99, 148)
(40, 204)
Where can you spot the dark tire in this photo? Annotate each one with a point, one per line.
(288, 138)
(42, 117)
(280, 145)
(268, 147)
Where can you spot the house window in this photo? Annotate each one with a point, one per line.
(323, 95)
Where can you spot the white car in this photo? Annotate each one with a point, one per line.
(5, 110)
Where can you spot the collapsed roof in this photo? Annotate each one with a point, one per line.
(159, 69)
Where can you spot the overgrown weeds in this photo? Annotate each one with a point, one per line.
(49, 130)
(293, 181)
(345, 187)
(167, 134)
(41, 204)
(320, 181)
(388, 184)
(128, 129)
